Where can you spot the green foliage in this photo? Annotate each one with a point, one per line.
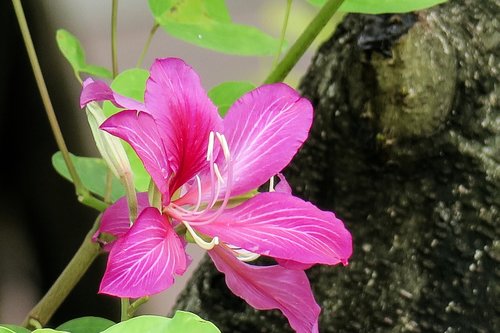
(13, 328)
(86, 325)
(73, 51)
(382, 6)
(93, 173)
(184, 322)
(48, 330)
(207, 23)
(225, 94)
(131, 83)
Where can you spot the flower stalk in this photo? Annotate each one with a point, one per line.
(298, 49)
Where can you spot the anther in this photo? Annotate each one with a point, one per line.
(201, 243)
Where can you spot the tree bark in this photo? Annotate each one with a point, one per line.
(405, 148)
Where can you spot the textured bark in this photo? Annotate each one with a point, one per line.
(405, 149)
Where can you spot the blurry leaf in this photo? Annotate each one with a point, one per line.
(73, 51)
(141, 324)
(131, 83)
(225, 94)
(382, 6)
(183, 322)
(13, 328)
(93, 173)
(207, 23)
(4, 329)
(48, 330)
(187, 322)
(86, 325)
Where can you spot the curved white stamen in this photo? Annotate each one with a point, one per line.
(271, 184)
(210, 147)
(247, 257)
(198, 185)
(217, 173)
(201, 243)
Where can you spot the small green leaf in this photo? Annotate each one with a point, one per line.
(207, 23)
(86, 325)
(226, 93)
(131, 83)
(73, 51)
(14, 328)
(93, 173)
(141, 324)
(382, 6)
(187, 322)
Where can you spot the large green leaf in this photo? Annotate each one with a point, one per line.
(93, 173)
(207, 23)
(382, 6)
(86, 325)
(187, 322)
(14, 328)
(4, 329)
(226, 93)
(182, 322)
(73, 51)
(48, 330)
(131, 83)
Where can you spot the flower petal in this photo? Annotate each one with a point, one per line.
(116, 219)
(140, 131)
(283, 186)
(143, 262)
(269, 287)
(291, 264)
(97, 91)
(184, 114)
(264, 129)
(283, 226)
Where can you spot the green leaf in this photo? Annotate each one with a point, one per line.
(14, 329)
(141, 324)
(48, 330)
(73, 51)
(207, 23)
(131, 83)
(226, 93)
(93, 173)
(382, 6)
(187, 322)
(86, 325)
(184, 322)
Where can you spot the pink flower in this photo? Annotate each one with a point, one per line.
(199, 162)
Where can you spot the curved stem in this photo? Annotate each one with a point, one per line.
(125, 306)
(81, 261)
(146, 46)
(304, 41)
(283, 31)
(114, 19)
(84, 196)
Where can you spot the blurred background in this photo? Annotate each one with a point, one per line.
(41, 223)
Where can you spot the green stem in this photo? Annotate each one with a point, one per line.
(298, 49)
(146, 46)
(283, 31)
(136, 304)
(125, 306)
(81, 261)
(114, 19)
(84, 196)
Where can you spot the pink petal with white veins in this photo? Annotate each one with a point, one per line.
(264, 129)
(282, 226)
(98, 91)
(116, 219)
(140, 130)
(144, 261)
(184, 114)
(271, 287)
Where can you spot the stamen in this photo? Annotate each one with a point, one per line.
(271, 184)
(201, 243)
(242, 254)
(198, 202)
(210, 147)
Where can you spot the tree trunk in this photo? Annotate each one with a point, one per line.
(405, 148)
